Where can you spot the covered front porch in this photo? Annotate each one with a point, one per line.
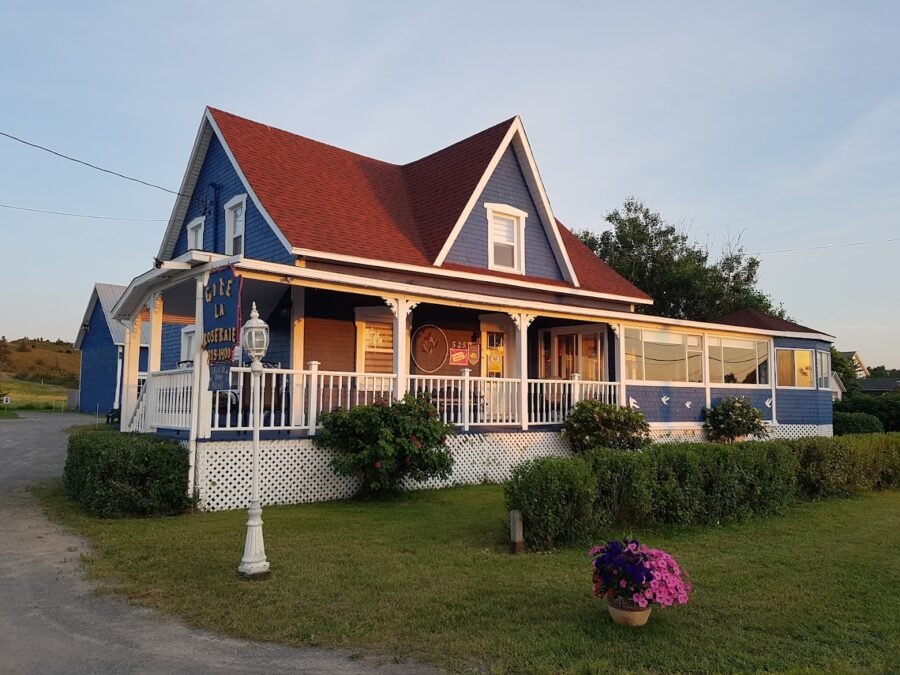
(483, 368)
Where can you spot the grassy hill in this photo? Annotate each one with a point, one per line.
(39, 360)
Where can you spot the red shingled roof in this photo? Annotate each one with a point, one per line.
(754, 318)
(327, 199)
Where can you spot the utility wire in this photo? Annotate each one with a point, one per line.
(88, 164)
(83, 215)
(825, 246)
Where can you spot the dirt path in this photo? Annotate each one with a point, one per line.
(51, 622)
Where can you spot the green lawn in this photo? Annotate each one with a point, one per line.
(7, 414)
(28, 395)
(429, 577)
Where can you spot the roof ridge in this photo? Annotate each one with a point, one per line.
(467, 139)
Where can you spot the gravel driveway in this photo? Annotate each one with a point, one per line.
(51, 622)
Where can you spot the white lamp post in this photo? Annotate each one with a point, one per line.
(255, 342)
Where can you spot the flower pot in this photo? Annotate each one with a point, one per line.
(627, 613)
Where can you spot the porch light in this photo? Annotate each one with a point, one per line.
(255, 336)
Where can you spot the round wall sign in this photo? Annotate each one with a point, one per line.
(429, 348)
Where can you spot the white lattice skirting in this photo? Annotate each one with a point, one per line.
(294, 471)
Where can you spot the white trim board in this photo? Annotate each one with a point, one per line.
(456, 274)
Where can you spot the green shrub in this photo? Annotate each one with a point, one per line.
(593, 424)
(733, 418)
(114, 475)
(856, 423)
(848, 465)
(384, 444)
(555, 496)
(886, 408)
(624, 486)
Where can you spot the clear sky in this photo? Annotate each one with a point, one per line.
(780, 121)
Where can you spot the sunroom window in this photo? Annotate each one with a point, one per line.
(795, 368)
(738, 361)
(823, 368)
(660, 356)
(506, 233)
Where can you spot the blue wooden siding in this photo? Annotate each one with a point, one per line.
(649, 399)
(507, 185)
(260, 242)
(170, 348)
(758, 397)
(803, 406)
(99, 359)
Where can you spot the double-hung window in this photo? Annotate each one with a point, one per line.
(738, 361)
(795, 368)
(188, 335)
(661, 356)
(375, 340)
(195, 234)
(506, 238)
(235, 219)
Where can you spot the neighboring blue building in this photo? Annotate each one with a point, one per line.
(101, 341)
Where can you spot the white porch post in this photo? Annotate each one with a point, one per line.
(522, 321)
(619, 330)
(117, 399)
(130, 366)
(400, 308)
(154, 355)
(202, 403)
(298, 312)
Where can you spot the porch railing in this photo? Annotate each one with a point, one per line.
(168, 399)
(296, 400)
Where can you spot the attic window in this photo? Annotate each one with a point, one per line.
(506, 238)
(235, 219)
(195, 234)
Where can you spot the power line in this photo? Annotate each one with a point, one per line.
(824, 246)
(88, 164)
(82, 215)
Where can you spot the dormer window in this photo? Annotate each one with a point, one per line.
(235, 218)
(195, 234)
(506, 238)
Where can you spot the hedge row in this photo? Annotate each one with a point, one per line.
(693, 483)
(118, 474)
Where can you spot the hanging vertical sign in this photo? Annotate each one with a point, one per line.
(221, 325)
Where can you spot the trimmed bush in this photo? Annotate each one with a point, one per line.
(856, 423)
(885, 407)
(114, 474)
(734, 418)
(849, 465)
(555, 496)
(384, 444)
(593, 424)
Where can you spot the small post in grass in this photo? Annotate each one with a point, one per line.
(516, 540)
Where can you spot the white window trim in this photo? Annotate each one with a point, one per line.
(197, 224)
(814, 367)
(229, 223)
(192, 331)
(505, 210)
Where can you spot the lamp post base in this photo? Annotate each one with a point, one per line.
(254, 564)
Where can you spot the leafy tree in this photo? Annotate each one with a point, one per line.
(4, 354)
(676, 272)
(883, 371)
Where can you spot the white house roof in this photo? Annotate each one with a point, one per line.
(108, 295)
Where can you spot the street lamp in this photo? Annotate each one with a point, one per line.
(254, 342)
